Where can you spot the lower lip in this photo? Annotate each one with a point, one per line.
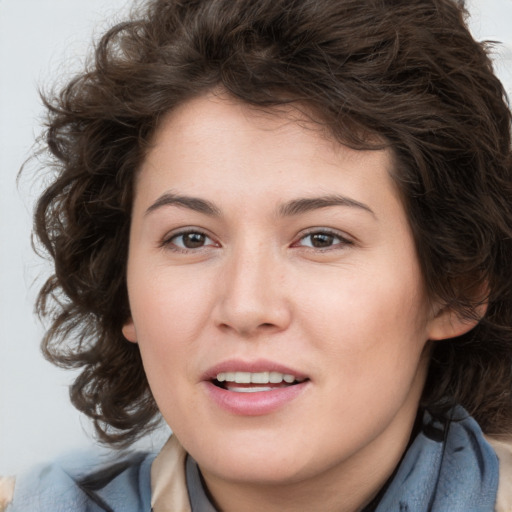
(254, 404)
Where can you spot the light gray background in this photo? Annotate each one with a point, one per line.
(42, 41)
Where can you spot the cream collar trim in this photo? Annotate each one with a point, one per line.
(503, 449)
(168, 480)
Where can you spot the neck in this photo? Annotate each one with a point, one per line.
(347, 487)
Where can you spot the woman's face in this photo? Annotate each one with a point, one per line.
(276, 295)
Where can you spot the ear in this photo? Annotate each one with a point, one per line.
(447, 323)
(129, 331)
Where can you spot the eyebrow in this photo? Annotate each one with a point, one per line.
(192, 203)
(289, 209)
(304, 205)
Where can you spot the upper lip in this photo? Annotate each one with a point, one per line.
(259, 365)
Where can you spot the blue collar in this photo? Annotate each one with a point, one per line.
(448, 467)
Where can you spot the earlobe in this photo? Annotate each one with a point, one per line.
(447, 323)
(129, 332)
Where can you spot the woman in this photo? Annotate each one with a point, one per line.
(285, 227)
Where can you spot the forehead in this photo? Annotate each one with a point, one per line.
(222, 127)
(216, 119)
(226, 151)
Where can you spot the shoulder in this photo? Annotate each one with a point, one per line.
(93, 486)
(503, 449)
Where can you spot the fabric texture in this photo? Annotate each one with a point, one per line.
(168, 480)
(503, 449)
(449, 467)
(55, 488)
(196, 491)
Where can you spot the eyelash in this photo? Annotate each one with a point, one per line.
(169, 242)
(342, 240)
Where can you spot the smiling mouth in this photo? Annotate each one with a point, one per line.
(254, 382)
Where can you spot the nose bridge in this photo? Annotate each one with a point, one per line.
(253, 296)
(251, 269)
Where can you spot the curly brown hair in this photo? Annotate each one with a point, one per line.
(406, 72)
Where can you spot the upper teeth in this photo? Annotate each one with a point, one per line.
(255, 378)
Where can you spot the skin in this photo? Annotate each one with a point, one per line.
(333, 291)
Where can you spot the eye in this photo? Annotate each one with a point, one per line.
(188, 240)
(323, 239)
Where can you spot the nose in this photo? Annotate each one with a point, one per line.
(252, 297)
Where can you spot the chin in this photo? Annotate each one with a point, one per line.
(258, 461)
(265, 471)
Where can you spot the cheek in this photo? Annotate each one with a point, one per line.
(371, 331)
(170, 307)
(168, 314)
(366, 309)
(371, 340)
(168, 321)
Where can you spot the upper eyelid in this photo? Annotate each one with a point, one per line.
(188, 229)
(329, 231)
(166, 239)
(343, 236)
(344, 241)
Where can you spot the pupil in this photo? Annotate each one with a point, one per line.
(322, 240)
(193, 240)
